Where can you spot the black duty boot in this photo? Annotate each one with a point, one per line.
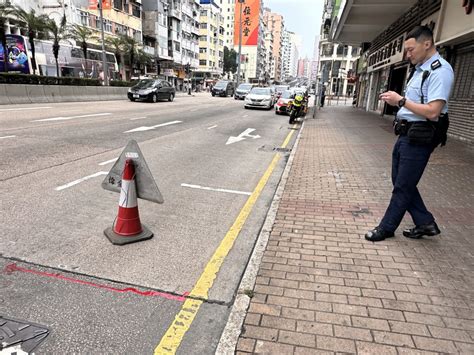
(378, 234)
(417, 232)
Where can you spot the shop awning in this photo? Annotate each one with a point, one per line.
(361, 21)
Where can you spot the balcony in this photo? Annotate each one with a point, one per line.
(149, 50)
(175, 13)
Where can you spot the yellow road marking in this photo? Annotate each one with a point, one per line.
(174, 335)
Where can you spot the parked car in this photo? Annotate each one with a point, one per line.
(152, 90)
(260, 97)
(282, 103)
(243, 91)
(223, 88)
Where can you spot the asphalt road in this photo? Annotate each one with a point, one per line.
(101, 298)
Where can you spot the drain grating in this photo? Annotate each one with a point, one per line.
(17, 334)
(270, 149)
(282, 150)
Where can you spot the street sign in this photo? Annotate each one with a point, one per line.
(145, 183)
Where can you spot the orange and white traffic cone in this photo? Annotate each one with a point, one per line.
(127, 227)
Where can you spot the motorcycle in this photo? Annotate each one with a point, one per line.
(297, 108)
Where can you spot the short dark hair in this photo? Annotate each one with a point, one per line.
(420, 33)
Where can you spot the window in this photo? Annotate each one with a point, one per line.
(84, 18)
(118, 4)
(202, 50)
(107, 26)
(203, 13)
(203, 25)
(203, 62)
(136, 10)
(177, 46)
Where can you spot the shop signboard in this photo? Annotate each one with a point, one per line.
(250, 22)
(389, 54)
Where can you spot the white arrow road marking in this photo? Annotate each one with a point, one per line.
(108, 161)
(59, 188)
(7, 137)
(72, 117)
(212, 127)
(214, 189)
(242, 136)
(145, 128)
(24, 108)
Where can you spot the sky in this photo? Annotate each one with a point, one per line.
(302, 17)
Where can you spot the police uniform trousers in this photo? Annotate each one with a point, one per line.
(408, 163)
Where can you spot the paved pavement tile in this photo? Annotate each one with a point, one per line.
(323, 288)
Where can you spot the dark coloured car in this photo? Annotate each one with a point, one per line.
(151, 90)
(223, 88)
(243, 91)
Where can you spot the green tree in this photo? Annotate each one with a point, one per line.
(118, 47)
(81, 35)
(131, 48)
(230, 60)
(57, 34)
(143, 58)
(5, 11)
(34, 24)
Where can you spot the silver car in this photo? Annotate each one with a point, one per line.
(261, 97)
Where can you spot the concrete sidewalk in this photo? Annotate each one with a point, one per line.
(322, 288)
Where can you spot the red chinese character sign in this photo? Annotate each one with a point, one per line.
(250, 22)
(106, 4)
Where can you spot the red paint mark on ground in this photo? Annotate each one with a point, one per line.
(15, 268)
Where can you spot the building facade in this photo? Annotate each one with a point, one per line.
(275, 24)
(290, 55)
(228, 12)
(384, 67)
(211, 41)
(253, 59)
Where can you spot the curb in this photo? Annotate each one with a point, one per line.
(230, 336)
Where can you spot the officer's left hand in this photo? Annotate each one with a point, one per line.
(391, 97)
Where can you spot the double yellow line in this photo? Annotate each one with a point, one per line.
(174, 335)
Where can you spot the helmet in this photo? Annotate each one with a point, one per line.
(299, 99)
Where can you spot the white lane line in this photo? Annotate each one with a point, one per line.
(75, 182)
(24, 108)
(147, 128)
(137, 118)
(194, 109)
(214, 189)
(245, 116)
(108, 161)
(7, 137)
(71, 117)
(212, 127)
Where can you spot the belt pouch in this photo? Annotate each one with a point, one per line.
(421, 133)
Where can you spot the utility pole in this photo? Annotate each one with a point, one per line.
(240, 43)
(104, 57)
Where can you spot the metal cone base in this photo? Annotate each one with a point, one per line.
(121, 240)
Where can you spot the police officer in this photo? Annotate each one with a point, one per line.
(426, 98)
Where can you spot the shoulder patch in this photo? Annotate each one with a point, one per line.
(436, 64)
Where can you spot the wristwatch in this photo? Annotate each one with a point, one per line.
(401, 103)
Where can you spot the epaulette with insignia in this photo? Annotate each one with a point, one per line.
(436, 64)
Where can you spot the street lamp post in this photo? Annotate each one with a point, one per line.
(240, 42)
(104, 57)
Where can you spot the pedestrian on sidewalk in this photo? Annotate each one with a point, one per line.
(421, 124)
(323, 96)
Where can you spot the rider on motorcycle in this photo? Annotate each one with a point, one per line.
(297, 107)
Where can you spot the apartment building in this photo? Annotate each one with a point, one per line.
(275, 24)
(211, 42)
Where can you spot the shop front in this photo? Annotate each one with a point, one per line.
(456, 34)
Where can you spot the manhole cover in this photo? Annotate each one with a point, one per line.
(16, 335)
